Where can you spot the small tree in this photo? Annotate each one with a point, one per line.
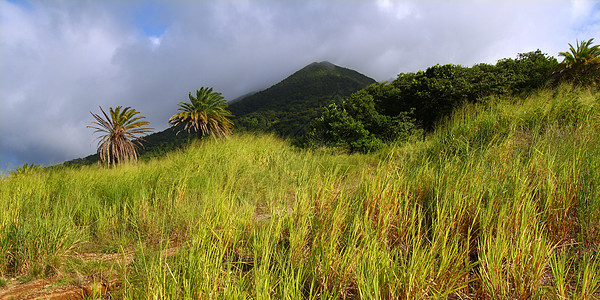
(336, 128)
(120, 130)
(25, 169)
(206, 113)
(357, 126)
(581, 64)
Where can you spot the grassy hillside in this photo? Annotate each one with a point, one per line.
(501, 202)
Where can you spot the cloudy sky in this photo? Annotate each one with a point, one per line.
(59, 60)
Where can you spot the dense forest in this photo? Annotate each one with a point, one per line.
(416, 102)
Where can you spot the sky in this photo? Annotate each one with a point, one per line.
(61, 60)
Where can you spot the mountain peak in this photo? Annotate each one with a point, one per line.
(290, 105)
(323, 64)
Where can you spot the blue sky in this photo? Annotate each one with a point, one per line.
(152, 18)
(62, 59)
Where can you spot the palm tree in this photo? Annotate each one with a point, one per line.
(582, 63)
(205, 114)
(25, 169)
(120, 130)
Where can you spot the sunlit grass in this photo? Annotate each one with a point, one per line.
(501, 202)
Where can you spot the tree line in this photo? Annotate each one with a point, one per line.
(414, 103)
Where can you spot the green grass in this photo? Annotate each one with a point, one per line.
(502, 201)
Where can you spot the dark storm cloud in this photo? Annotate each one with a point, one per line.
(61, 60)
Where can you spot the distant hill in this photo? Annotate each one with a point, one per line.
(241, 97)
(288, 107)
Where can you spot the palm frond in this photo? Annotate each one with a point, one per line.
(119, 139)
(581, 63)
(205, 114)
(25, 169)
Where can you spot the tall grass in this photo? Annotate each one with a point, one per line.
(502, 201)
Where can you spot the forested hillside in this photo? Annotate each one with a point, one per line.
(414, 103)
(289, 107)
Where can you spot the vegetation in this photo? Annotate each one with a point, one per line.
(25, 169)
(581, 64)
(357, 126)
(120, 130)
(288, 107)
(205, 114)
(497, 198)
(156, 145)
(392, 111)
(502, 201)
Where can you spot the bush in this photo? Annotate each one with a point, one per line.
(337, 128)
(357, 126)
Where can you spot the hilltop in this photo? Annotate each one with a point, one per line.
(288, 107)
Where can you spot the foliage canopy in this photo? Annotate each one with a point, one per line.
(391, 111)
(206, 113)
(25, 169)
(581, 64)
(119, 134)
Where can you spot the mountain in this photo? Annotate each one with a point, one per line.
(241, 97)
(288, 107)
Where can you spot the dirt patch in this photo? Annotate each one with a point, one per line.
(17, 290)
(45, 289)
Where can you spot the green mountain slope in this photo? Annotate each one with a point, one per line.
(288, 107)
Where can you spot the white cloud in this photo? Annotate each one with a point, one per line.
(399, 9)
(582, 8)
(155, 41)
